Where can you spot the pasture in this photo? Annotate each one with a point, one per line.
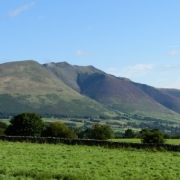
(135, 140)
(29, 161)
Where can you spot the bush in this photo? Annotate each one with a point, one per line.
(2, 131)
(101, 132)
(25, 124)
(97, 131)
(152, 136)
(86, 134)
(129, 133)
(58, 129)
(3, 127)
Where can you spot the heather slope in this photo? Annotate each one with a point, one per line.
(28, 86)
(172, 92)
(122, 95)
(168, 100)
(69, 73)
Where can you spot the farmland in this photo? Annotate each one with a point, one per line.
(44, 161)
(135, 140)
(119, 126)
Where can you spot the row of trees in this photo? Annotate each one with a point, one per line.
(31, 124)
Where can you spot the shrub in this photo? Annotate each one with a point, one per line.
(97, 131)
(129, 133)
(86, 134)
(101, 132)
(3, 127)
(58, 129)
(25, 124)
(152, 136)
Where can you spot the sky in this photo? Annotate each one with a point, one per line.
(136, 39)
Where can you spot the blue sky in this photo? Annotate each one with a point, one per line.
(136, 39)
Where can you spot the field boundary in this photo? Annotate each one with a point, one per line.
(90, 142)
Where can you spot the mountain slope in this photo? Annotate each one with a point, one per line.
(122, 95)
(28, 86)
(172, 92)
(69, 74)
(162, 97)
(64, 89)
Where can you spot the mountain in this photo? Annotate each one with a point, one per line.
(117, 93)
(172, 92)
(64, 89)
(69, 74)
(28, 86)
(123, 95)
(167, 98)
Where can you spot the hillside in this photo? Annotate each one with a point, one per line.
(69, 74)
(165, 97)
(119, 94)
(64, 89)
(173, 92)
(123, 95)
(28, 86)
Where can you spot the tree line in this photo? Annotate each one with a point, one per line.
(144, 122)
(31, 124)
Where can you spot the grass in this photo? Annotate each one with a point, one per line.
(43, 161)
(134, 140)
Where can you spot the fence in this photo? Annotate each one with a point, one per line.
(90, 142)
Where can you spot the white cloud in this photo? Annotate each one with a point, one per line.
(171, 83)
(176, 83)
(131, 71)
(166, 76)
(82, 53)
(173, 53)
(168, 67)
(137, 70)
(111, 69)
(19, 10)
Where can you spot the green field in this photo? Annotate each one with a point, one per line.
(134, 140)
(43, 161)
(118, 126)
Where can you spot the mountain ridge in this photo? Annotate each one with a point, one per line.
(28, 86)
(80, 90)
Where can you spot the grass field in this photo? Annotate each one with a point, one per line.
(134, 140)
(21, 161)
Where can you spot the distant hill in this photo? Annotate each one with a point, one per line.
(28, 86)
(167, 98)
(173, 92)
(61, 88)
(123, 95)
(69, 74)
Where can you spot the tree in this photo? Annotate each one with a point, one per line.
(25, 124)
(58, 129)
(129, 133)
(3, 127)
(152, 136)
(86, 134)
(101, 132)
